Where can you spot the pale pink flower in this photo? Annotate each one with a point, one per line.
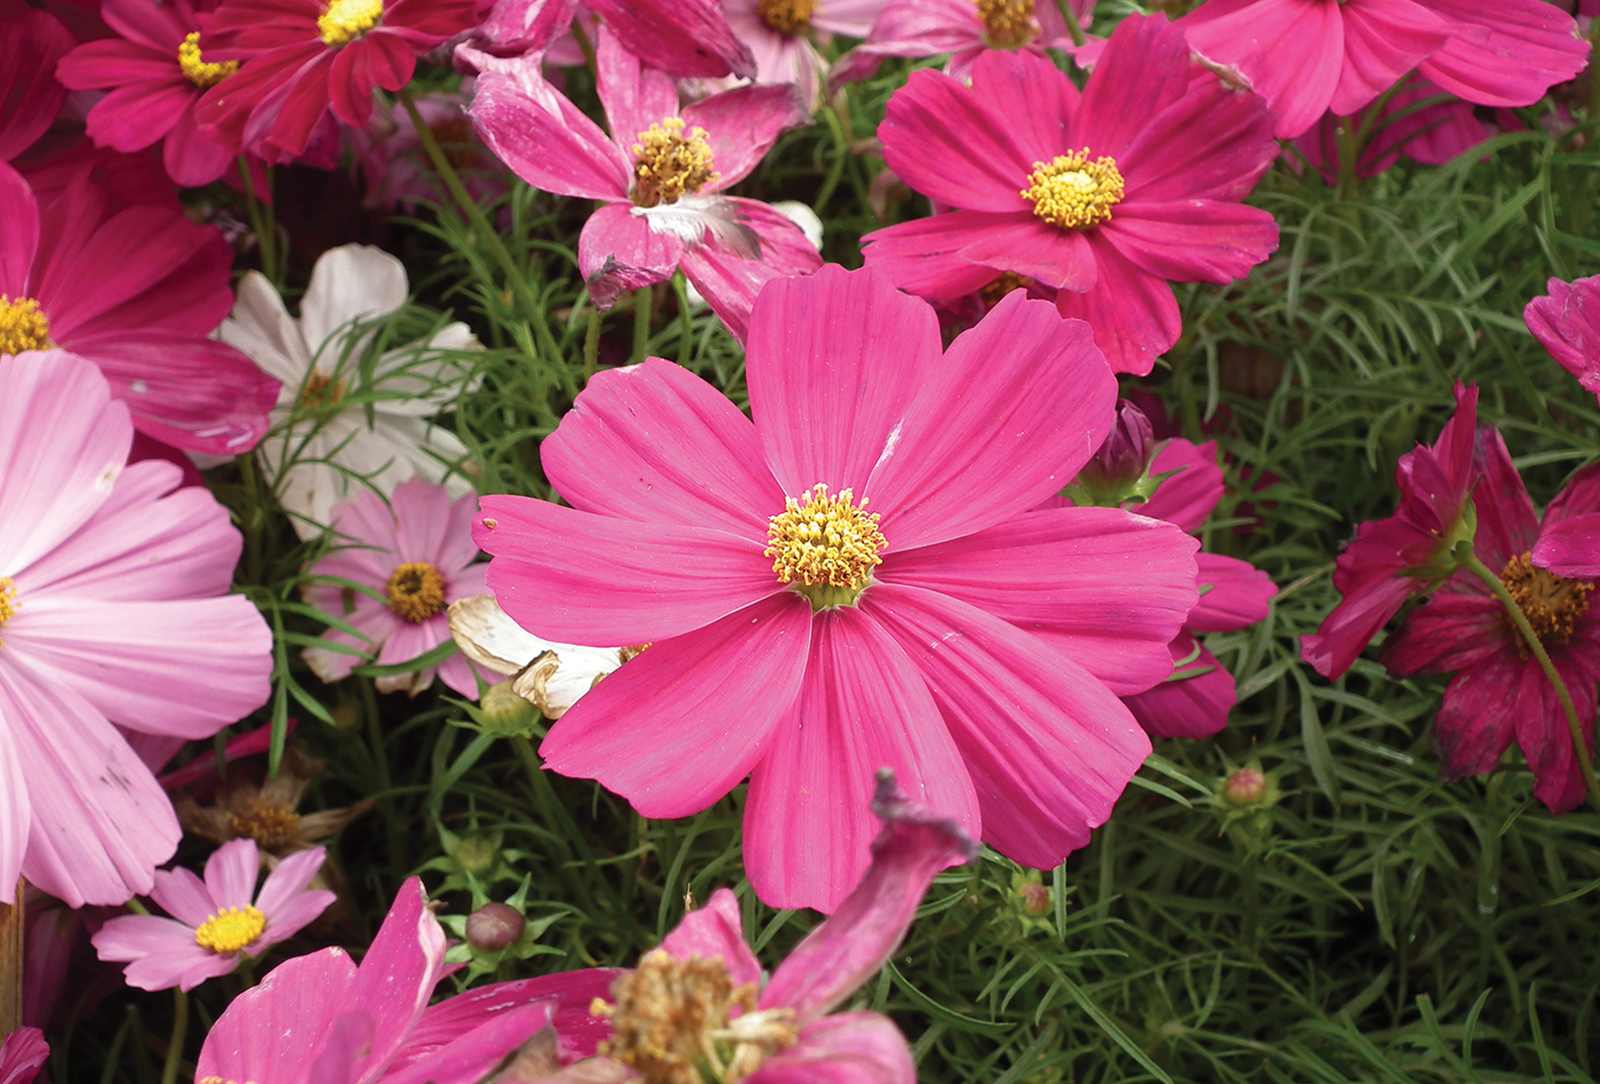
(114, 608)
(416, 552)
(973, 645)
(661, 174)
(213, 920)
(22, 1054)
(784, 36)
(961, 28)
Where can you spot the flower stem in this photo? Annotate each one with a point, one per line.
(262, 223)
(1580, 745)
(642, 299)
(1073, 26)
(180, 1030)
(1349, 153)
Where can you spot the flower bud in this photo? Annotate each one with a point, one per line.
(1113, 475)
(1247, 786)
(505, 713)
(1035, 899)
(477, 855)
(494, 927)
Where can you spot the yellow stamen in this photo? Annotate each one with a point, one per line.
(1001, 286)
(22, 326)
(1007, 24)
(671, 1022)
(786, 16)
(196, 70)
(669, 164)
(825, 542)
(231, 929)
(320, 391)
(346, 20)
(415, 591)
(1551, 604)
(1073, 192)
(271, 824)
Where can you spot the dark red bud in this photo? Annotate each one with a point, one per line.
(494, 927)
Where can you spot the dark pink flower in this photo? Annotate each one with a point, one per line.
(68, 278)
(952, 633)
(661, 173)
(918, 28)
(31, 43)
(1419, 121)
(22, 1054)
(1505, 52)
(158, 72)
(1105, 196)
(1567, 323)
(1392, 559)
(688, 38)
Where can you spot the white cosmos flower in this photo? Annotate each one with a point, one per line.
(323, 460)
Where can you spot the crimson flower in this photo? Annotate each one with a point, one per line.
(31, 43)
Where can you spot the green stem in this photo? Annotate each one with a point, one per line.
(1349, 152)
(591, 345)
(1579, 746)
(180, 1030)
(261, 223)
(1248, 935)
(1073, 26)
(642, 299)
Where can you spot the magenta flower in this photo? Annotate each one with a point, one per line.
(1432, 134)
(320, 1019)
(416, 554)
(66, 280)
(784, 35)
(213, 920)
(918, 28)
(1505, 52)
(1500, 694)
(661, 174)
(158, 72)
(115, 609)
(1105, 196)
(984, 642)
(688, 38)
(31, 43)
(22, 1054)
(1567, 323)
(1395, 558)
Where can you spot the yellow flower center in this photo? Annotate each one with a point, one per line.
(669, 164)
(347, 20)
(8, 601)
(1007, 24)
(1007, 281)
(826, 546)
(196, 70)
(271, 824)
(415, 591)
(22, 326)
(1073, 192)
(320, 391)
(1551, 604)
(231, 929)
(672, 1023)
(786, 16)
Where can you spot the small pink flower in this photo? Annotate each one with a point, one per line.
(1567, 323)
(784, 35)
(213, 920)
(661, 174)
(919, 28)
(1105, 197)
(416, 552)
(22, 1054)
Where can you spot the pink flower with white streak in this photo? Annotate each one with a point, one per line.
(784, 36)
(962, 28)
(213, 920)
(661, 174)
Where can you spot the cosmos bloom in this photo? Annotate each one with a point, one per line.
(961, 28)
(323, 449)
(157, 72)
(264, 810)
(213, 920)
(660, 173)
(1105, 197)
(31, 44)
(689, 38)
(389, 154)
(1392, 559)
(1500, 694)
(1567, 323)
(22, 1054)
(985, 641)
(66, 280)
(416, 551)
(784, 35)
(115, 609)
(321, 1019)
(1418, 121)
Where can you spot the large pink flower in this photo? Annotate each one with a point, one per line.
(918, 28)
(974, 646)
(1567, 323)
(115, 609)
(661, 174)
(137, 293)
(1105, 196)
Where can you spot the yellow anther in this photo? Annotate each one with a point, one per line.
(196, 70)
(271, 824)
(1007, 24)
(22, 326)
(786, 16)
(1073, 192)
(823, 541)
(346, 20)
(231, 929)
(320, 391)
(1551, 604)
(669, 164)
(415, 591)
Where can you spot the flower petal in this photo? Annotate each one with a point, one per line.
(923, 256)
(273, 1030)
(1143, 71)
(231, 873)
(475, 1056)
(730, 279)
(1507, 523)
(845, 1048)
(1029, 246)
(20, 212)
(633, 96)
(1570, 547)
(742, 124)
(1459, 627)
(546, 140)
(1528, 48)
(1193, 240)
(1292, 51)
(349, 283)
(1240, 594)
(1187, 707)
(397, 976)
(1133, 313)
(619, 252)
(716, 931)
(683, 37)
(15, 815)
(1384, 39)
(1187, 496)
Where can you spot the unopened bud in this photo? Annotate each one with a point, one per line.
(507, 714)
(1035, 899)
(1247, 786)
(477, 855)
(1114, 473)
(494, 927)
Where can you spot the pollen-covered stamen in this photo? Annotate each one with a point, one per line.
(231, 929)
(415, 591)
(194, 67)
(820, 540)
(8, 601)
(786, 16)
(320, 391)
(1551, 604)
(1072, 192)
(346, 20)
(667, 163)
(1007, 281)
(273, 825)
(22, 326)
(1007, 24)
(673, 1023)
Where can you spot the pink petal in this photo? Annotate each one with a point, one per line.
(1571, 548)
(1215, 142)
(162, 953)
(634, 97)
(1005, 419)
(845, 1048)
(194, 156)
(1193, 240)
(289, 880)
(1186, 707)
(1133, 313)
(1193, 486)
(910, 28)
(683, 37)
(397, 975)
(923, 256)
(832, 362)
(546, 140)
(572, 993)
(1567, 323)
(1529, 47)
(729, 280)
(1383, 39)
(273, 1030)
(715, 931)
(1542, 730)
(31, 44)
(1029, 246)
(517, 28)
(131, 118)
(1144, 70)
(183, 896)
(704, 703)
(1373, 593)
(1579, 497)
(376, 60)
(22, 1053)
(20, 211)
(836, 958)
(579, 578)
(474, 1057)
(421, 513)
(1049, 748)
(742, 124)
(1292, 51)
(1478, 717)
(863, 707)
(619, 252)
(291, 917)
(231, 873)
(1459, 627)
(1240, 594)
(345, 1046)
(1507, 523)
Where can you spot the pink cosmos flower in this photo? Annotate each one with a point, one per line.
(661, 174)
(784, 36)
(962, 28)
(1567, 323)
(415, 552)
(689, 38)
(302, 58)
(213, 920)
(1105, 196)
(31, 43)
(1432, 133)
(67, 280)
(22, 1054)
(1395, 558)
(950, 633)
(320, 1019)
(393, 165)
(115, 609)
